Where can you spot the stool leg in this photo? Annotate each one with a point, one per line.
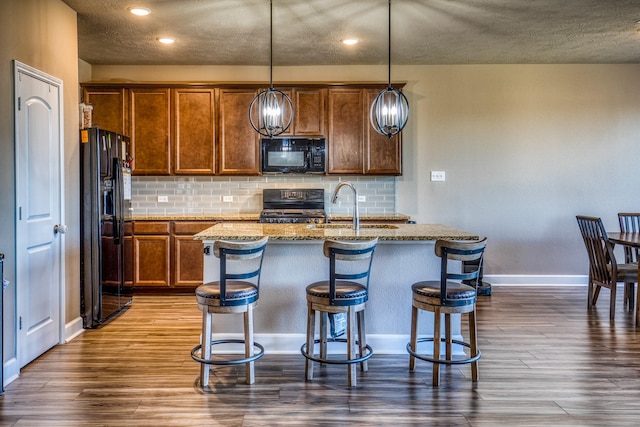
(311, 330)
(414, 336)
(447, 334)
(324, 320)
(473, 343)
(638, 301)
(205, 348)
(351, 354)
(362, 340)
(436, 346)
(248, 344)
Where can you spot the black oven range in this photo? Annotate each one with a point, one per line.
(293, 206)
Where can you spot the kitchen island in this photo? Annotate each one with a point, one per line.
(294, 258)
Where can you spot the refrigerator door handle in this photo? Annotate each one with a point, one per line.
(117, 201)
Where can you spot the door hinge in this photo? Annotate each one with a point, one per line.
(20, 324)
(19, 103)
(20, 213)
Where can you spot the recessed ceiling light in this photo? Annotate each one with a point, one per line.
(166, 40)
(349, 41)
(140, 11)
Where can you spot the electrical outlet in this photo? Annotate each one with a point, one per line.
(227, 198)
(437, 175)
(163, 199)
(362, 198)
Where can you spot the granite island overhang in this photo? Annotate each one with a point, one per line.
(294, 258)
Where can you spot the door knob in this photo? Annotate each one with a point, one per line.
(60, 228)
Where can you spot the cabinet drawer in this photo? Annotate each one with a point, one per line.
(190, 228)
(151, 227)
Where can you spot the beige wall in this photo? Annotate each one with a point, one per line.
(41, 34)
(525, 148)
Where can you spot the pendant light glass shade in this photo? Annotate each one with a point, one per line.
(390, 109)
(271, 111)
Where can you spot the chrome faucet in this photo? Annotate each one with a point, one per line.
(356, 213)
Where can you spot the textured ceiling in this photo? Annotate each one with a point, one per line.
(308, 32)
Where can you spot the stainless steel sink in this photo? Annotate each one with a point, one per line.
(388, 226)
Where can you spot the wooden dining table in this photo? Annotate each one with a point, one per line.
(631, 240)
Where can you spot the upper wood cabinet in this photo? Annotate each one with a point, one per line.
(345, 140)
(309, 105)
(238, 142)
(182, 129)
(383, 156)
(353, 146)
(193, 131)
(109, 107)
(149, 112)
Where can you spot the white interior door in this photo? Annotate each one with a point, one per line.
(39, 212)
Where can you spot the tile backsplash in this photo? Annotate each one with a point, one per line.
(206, 195)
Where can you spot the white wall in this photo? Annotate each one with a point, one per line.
(42, 34)
(525, 148)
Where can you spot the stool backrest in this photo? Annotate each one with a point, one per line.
(238, 253)
(458, 250)
(338, 251)
(630, 223)
(602, 261)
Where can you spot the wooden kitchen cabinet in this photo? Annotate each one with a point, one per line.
(193, 131)
(165, 254)
(109, 107)
(345, 139)
(383, 156)
(187, 259)
(238, 142)
(353, 146)
(151, 253)
(149, 116)
(309, 106)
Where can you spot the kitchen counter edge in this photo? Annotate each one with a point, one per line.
(287, 232)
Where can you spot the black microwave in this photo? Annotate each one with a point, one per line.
(293, 155)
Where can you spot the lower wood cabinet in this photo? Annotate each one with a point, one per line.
(187, 259)
(165, 254)
(151, 253)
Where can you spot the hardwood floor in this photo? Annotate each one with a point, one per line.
(546, 362)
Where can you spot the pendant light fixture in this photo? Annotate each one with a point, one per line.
(390, 109)
(271, 111)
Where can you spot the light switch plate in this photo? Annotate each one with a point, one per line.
(227, 198)
(437, 175)
(163, 199)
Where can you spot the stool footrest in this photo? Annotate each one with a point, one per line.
(367, 356)
(227, 362)
(444, 361)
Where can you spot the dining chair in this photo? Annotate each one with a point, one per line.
(629, 223)
(237, 291)
(450, 295)
(604, 271)
(346, 291)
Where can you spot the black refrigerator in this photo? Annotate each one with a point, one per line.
(106, 231)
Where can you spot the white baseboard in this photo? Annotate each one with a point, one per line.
(536, 280)
(73, 329)
(11, 371)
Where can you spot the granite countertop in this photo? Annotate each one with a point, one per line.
(391, 232)
(256, 217)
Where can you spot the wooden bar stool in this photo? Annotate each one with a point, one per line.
(346, 291)
(233, 293)
(446, 296)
